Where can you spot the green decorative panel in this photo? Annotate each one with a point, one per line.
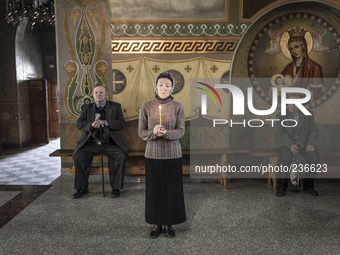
(202, 29)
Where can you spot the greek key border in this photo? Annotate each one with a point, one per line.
(167, 46)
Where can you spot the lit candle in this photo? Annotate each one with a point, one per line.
(160, 115)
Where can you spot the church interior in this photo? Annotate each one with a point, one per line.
(55, 53)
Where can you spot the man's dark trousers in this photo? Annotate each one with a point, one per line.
(286, 159)
(83, 162)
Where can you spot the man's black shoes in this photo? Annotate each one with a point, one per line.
(115, 193)
(280, 192)
(80, 193)
(311, 191)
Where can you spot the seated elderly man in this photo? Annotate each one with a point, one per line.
(293, 140)
(108, 116)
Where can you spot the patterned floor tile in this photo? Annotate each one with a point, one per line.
(7, 180)
(30, 165)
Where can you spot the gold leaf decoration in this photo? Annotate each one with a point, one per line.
(94, 15)
(74, 16)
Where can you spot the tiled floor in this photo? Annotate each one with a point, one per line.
(30, 165)
(248, 218)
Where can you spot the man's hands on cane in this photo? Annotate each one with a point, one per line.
(98, 123)
(294, 149)
(159, 130)
(310, 148)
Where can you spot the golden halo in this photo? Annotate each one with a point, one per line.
(272, 81)
(285, 38)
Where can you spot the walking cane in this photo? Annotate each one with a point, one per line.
(295, 175)
(101, 152)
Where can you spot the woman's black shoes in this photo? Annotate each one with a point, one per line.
(170, 232)
(156, 231)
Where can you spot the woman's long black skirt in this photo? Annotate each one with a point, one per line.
(164, 200)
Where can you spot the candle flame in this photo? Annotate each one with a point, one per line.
(160, 107)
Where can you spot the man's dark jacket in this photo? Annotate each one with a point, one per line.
(307, 130)
(114, 118)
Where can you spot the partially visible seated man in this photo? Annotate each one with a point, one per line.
(108, 116)
(293, 140)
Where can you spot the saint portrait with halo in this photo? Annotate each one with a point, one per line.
(279, 81)
(296, 43)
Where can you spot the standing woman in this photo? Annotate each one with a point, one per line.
(161, 124)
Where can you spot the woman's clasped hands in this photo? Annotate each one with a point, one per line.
(159, 130)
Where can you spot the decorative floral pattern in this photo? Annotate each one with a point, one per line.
(177, 29)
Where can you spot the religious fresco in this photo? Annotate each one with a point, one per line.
(153, 18)
(176, 9)
(296, 50)
(85, 29)
(140, 73)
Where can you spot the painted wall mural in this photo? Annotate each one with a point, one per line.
(140, 74)
(119, 82)
(178, 29)
(298, 50)
(154, 18)
(85, 28)
(176, 9)
(174, 46)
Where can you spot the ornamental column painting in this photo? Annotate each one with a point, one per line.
(83, 38)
